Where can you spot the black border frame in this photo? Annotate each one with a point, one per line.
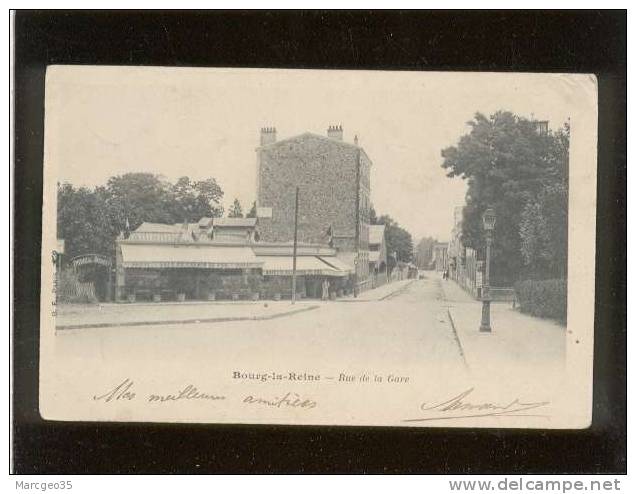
(544, 41)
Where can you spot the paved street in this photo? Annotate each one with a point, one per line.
(405, 337)
(409, 328)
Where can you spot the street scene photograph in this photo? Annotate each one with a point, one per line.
(317, 247)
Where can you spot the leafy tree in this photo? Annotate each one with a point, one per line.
(90, 220)
(252, 212)
(195, 199)
(543, 232)
(209, 196)
(397, 239)
(236, 210)
(424, 252)
(83, 221)
(507, 163)
(139, 197)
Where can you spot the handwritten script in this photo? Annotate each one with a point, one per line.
(124, 391)
(459, 407)
(292, 400)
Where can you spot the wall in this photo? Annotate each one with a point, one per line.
(327, 173)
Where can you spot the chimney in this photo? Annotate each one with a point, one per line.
(268, 135)
(335, 132)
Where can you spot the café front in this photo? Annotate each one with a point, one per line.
(164, 268)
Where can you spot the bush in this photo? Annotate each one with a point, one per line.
(543, 298)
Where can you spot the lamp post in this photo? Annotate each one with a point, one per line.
(489, 220)
(355, 276)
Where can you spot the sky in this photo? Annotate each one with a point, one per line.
(200, 122)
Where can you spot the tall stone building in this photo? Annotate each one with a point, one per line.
(333, 177)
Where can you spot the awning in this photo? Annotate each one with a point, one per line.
(374, 256)
(305, 266)
(188, 256)
(337, 264)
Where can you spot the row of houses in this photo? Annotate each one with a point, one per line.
(338, 251)
(463, 264)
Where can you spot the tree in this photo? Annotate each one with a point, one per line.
(424, 252)
(83, 221)
(236, 211)
(209, 195)
(196, 199)
(90, 220)
(397, 239)
(139, 197)
(507, 163)
(252, 212)
(543, 232)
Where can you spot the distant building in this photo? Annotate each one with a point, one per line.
(377, 254)
(455, 246)
(440, 256)
(464, 265)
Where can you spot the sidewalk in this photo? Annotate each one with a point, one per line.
(380, 293)
(151, 313)
(517, 340)
(110, 315)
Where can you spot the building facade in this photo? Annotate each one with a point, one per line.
(377, 255)
(464, 266)
(440, 256)
(180, 262)
(333, 180)
(243, 258)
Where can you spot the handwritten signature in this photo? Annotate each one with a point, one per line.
(458, 407)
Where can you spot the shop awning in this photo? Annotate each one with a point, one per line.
(305, 266)
(374, 256)
(337, 263)
(188, 256)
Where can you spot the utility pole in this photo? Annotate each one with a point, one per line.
(293, 297)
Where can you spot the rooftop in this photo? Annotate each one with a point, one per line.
(330, 140)
(235, 222)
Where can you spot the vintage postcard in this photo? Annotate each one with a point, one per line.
(372, 248)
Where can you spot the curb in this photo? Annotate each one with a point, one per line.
(398, 291)
(186, 321)
(395, 292)
(452, 322)
(457, 340)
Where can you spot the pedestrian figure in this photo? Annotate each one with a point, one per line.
(325, 289)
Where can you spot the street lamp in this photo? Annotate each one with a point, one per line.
(355, 275)
(489, 220)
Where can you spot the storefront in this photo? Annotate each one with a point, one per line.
(210, 270)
